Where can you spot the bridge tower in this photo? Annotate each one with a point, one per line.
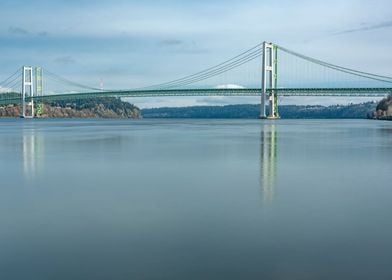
(269, 81)
(38, 81)
(38, 89)
(27, 93)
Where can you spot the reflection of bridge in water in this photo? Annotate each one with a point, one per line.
(33, 149)
(268, 161)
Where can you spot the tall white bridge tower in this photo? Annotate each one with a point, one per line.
(269, 80)
(32, 85)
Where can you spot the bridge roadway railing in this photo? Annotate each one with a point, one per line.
(10, 98)
(14, 98)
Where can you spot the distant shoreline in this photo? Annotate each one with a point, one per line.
(115, 108)
(252, 111)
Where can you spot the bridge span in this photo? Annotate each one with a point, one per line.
(32, 85)
(244, 92)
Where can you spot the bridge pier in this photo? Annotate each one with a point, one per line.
(269, 80)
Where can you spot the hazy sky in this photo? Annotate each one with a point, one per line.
(133, 43)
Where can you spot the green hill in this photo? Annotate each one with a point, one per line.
(250, 111)
(384, 109)
(108, 107)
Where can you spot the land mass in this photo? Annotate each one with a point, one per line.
(250, 111)
(108, 107)
(111, 107)
(384, 109)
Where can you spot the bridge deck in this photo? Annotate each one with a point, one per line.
(352, 92)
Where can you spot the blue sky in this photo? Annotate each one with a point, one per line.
(133, 43)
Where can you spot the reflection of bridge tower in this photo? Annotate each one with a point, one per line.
(268, 160)
(33, 149)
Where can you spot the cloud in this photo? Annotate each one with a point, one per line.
(17, 31)
(43, 34)
(385, 24)
(191, 48)
(112, 71)
(170, 42)
(14, 30)
(5, 89)
(179, 46)
(67, 60)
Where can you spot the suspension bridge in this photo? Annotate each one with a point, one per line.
(308, 77)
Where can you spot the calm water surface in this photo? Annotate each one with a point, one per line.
(195, 199)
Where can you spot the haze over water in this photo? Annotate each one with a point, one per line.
(195, 199)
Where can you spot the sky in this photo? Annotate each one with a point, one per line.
(127, 44)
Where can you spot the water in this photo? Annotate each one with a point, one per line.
(195, 199)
